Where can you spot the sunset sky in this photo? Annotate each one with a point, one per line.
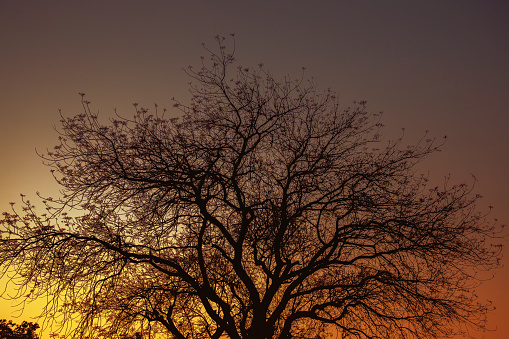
(441, 66)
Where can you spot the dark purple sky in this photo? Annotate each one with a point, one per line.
(441, 66)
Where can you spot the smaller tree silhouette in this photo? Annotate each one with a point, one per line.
(134, 336)
(10, 330)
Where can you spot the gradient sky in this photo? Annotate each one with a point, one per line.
(441, 66)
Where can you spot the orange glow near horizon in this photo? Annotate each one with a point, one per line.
(431, 66)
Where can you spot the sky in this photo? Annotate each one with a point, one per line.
(430, 65)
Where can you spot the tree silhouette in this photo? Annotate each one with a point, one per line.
(10, 330)
(264, 211)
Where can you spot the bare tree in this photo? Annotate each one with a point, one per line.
(265, 211)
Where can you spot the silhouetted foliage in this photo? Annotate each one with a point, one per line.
(135, 336)
(10, 330)
(265, 211)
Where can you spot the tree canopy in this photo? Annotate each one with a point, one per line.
(265, 210)
(10, 330)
